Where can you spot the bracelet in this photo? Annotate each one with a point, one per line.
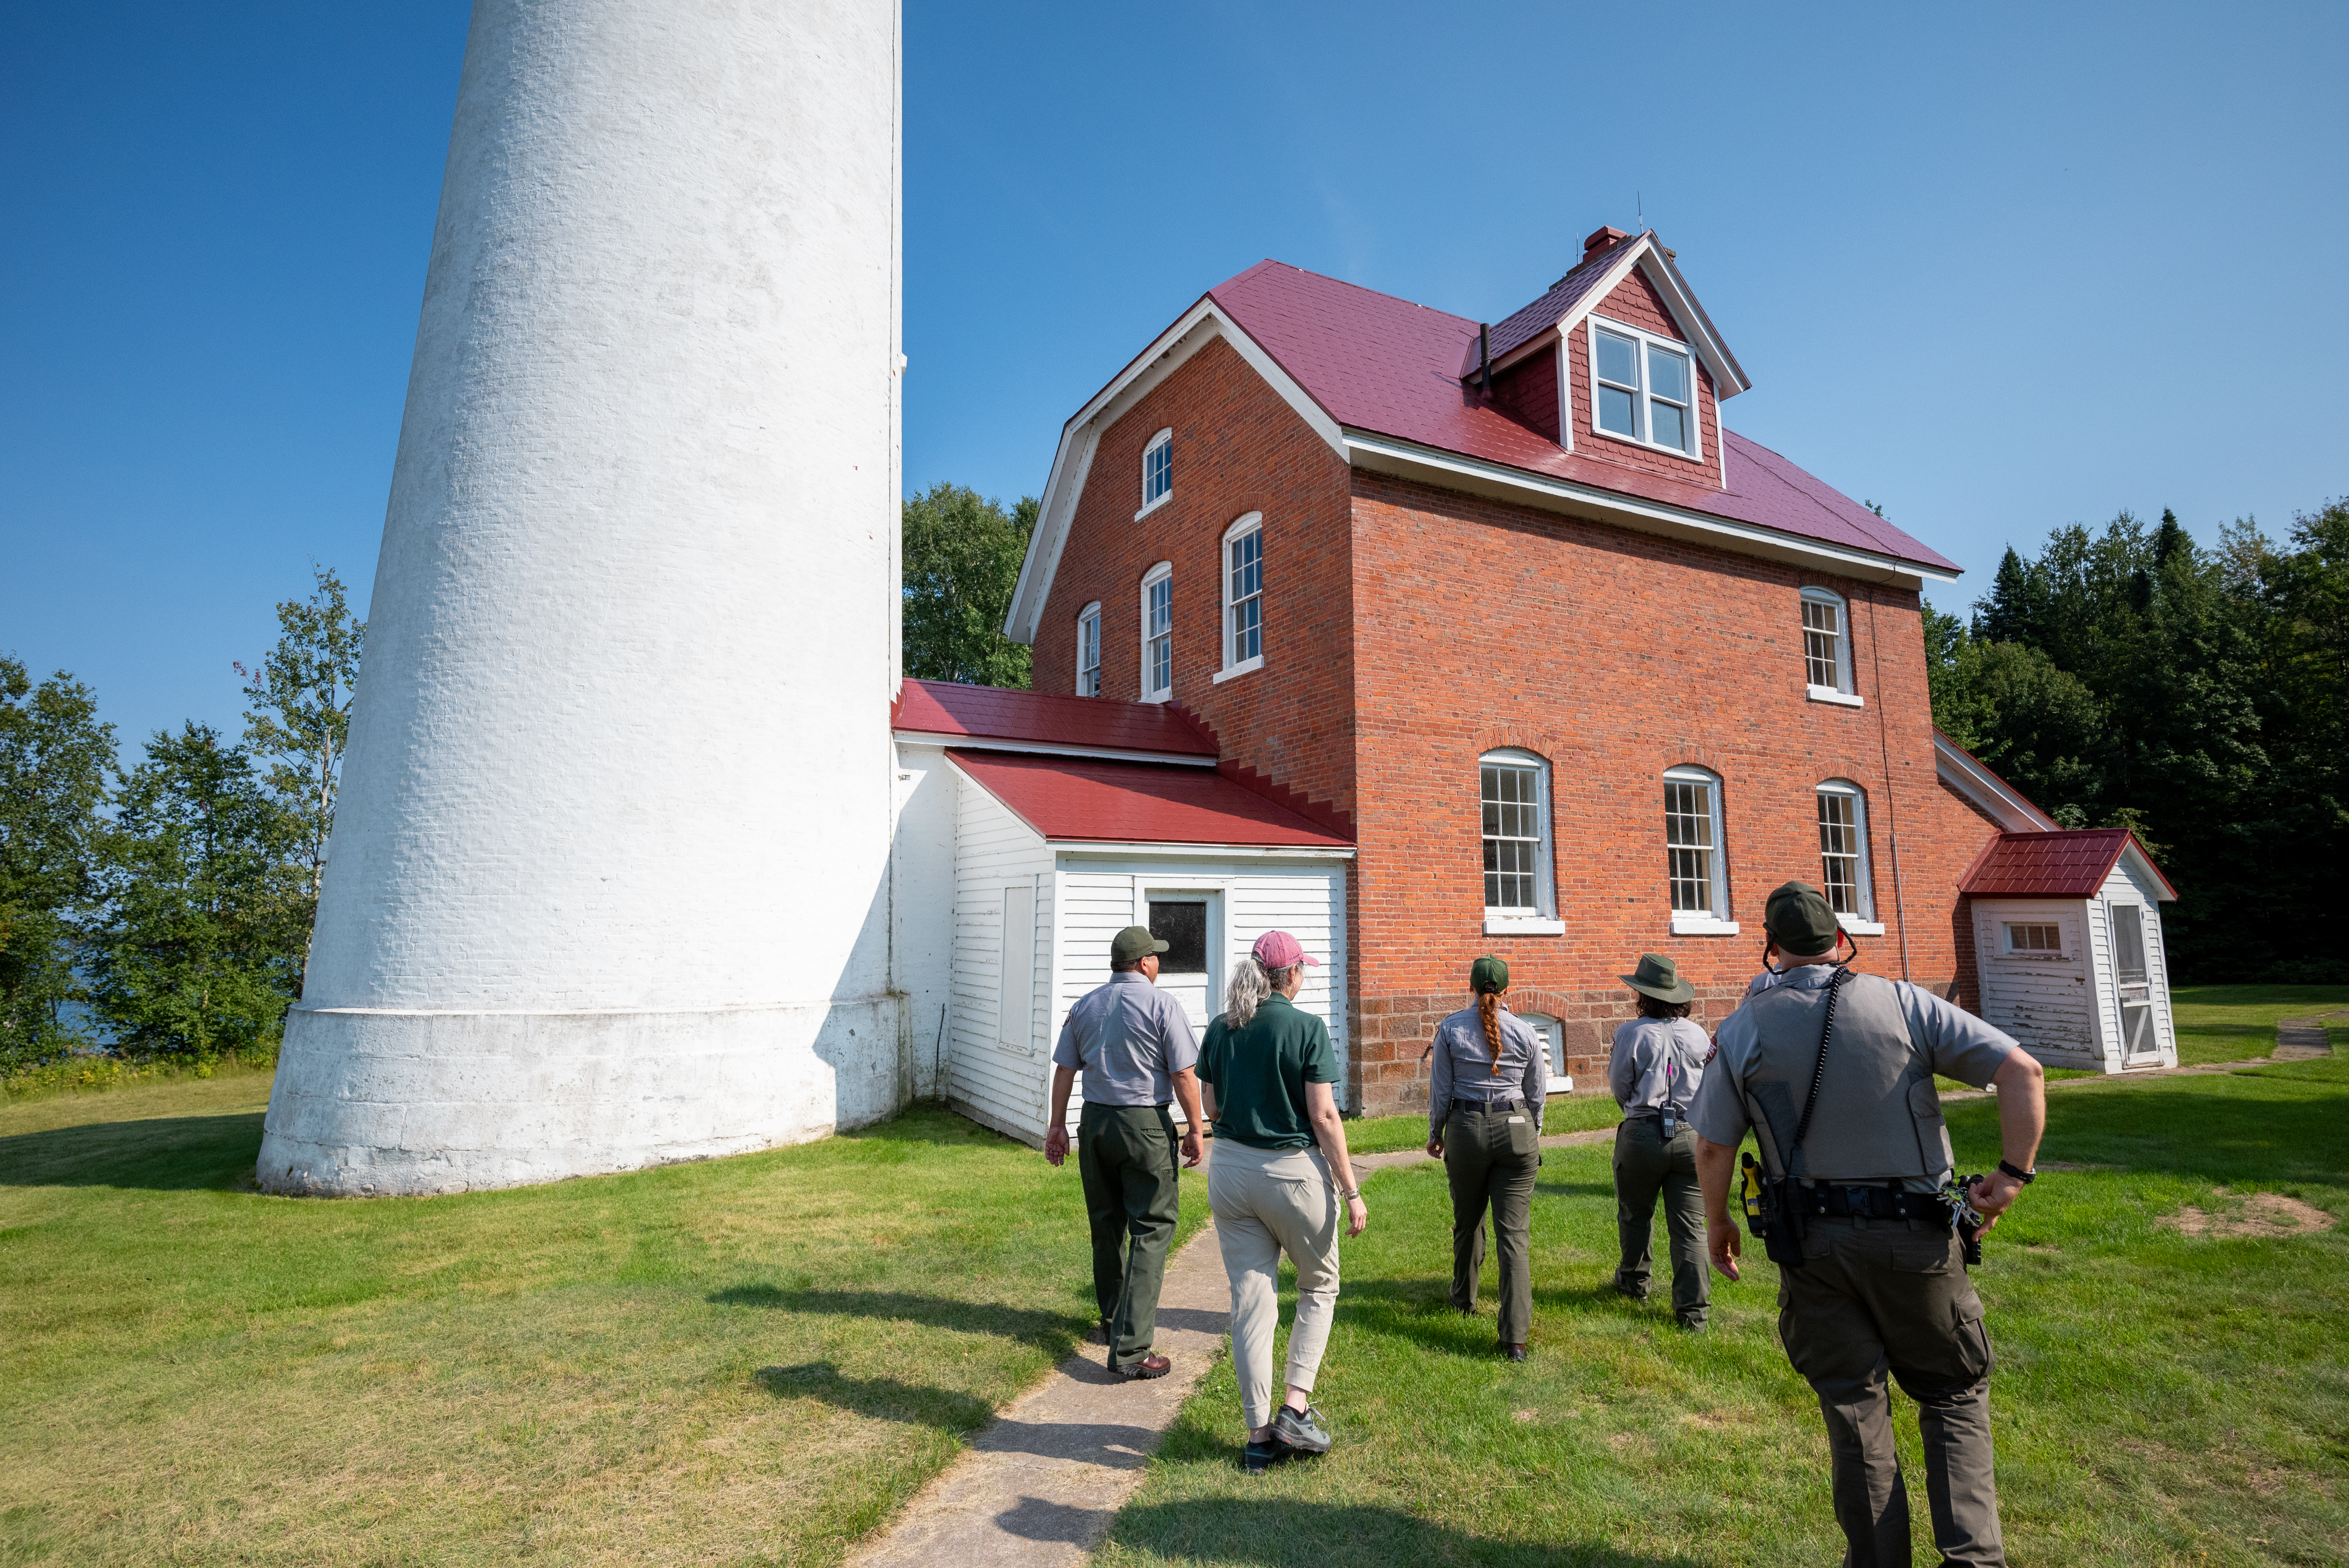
(1350, 1197)
(2026, 1177)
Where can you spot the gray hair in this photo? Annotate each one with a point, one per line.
(1251, 983)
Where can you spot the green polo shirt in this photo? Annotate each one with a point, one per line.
(1261, 1073)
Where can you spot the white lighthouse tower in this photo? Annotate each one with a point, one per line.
(609, 874)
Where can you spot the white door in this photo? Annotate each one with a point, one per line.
(1191, 925)
(2135, 991)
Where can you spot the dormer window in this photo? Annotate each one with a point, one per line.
(1642, 388)
(1158, 471)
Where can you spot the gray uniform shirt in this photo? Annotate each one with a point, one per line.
(1656, 1059)
(1129, 1038)
(1948, 1039)
(1465, 1065)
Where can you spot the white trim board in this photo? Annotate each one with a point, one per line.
(1453, 470)
(1958, 769)
(1098, 753)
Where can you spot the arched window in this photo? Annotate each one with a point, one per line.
(1242, 597)
(1089, 650)
(1158, 633)
(1158, 471)
(1843, 851)
(1696, 866)
(1826, 646)
(1520, 896)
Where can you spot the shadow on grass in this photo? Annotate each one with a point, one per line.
(2189, 1127)
(1114, 1445)
(1575, 1190)
(160, 1154)
(1281, 1532)
(1054, 1332)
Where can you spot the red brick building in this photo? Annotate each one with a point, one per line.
(1579, 673)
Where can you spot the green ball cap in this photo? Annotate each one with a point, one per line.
(1489, 973)
(1133, 945)
(1799, 921)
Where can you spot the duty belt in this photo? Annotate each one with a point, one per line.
(1487, 1105)
(1850, 1202)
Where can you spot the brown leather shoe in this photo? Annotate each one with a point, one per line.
(1515, 1352)
(1148, 1367)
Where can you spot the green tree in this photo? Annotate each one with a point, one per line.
(300, 718)
(962, 556)
(196, 951)
(54, 753)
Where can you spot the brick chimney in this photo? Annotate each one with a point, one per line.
(1601, 240)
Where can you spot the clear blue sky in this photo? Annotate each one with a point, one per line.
(1999, 269)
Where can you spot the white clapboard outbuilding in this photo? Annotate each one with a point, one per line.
(1032, 827)
(2067, 942)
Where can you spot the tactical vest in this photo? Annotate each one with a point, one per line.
(1878, 1117)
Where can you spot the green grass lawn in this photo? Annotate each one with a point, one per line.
(752, 1359)
(2160, 1399)
(2235, 1023)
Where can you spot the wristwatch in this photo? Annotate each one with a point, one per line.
(2026, 1177)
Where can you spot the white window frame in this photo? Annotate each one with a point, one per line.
(1162, 572)
(1089, 629)
(1860, 922)
(1162, 443)
(1541, 918)
(1253, 523)
(1641, 395)
(1713, 922)
(1844, 691)
(2064, 953)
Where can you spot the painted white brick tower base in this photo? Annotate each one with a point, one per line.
(609, 878)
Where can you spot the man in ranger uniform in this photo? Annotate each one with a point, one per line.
(1833, 1073)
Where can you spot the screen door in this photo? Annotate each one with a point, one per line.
(2131, 980)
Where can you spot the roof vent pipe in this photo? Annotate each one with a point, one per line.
(1484, 355)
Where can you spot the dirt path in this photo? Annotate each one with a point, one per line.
(2298, 1039)
(1040, 1484)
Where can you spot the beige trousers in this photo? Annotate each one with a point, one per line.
(1268, 1201)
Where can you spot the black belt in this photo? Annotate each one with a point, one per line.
(1486, 1105)
(1872, 1202)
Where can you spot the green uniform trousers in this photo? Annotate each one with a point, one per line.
(1489, 1157)
(1646, 1166)
(1126, 1155)
(1879, 1295)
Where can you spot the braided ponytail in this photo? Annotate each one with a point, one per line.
(1488, 1008)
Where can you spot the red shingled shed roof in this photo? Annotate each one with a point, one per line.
(2053, 865)
(1386, 365)
(1045, 718)
(1101, 802)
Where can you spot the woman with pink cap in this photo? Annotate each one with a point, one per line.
(1277, 1179)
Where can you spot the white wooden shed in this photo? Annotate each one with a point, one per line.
(2068, 947)
(1037, 826)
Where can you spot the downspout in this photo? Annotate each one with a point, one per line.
(1891, 808)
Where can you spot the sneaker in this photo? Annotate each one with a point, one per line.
(1258, 1458)
(1303, 1430)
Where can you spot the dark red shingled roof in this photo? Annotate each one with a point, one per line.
(2052, 865)
(1386, 365)
(1045, 718)
(1079, 797)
